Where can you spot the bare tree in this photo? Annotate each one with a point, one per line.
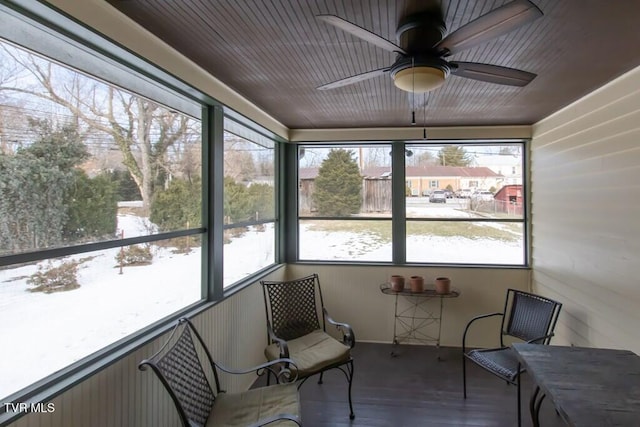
(239, 163)
(142, 130)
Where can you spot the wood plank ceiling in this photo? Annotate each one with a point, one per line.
(275, 53)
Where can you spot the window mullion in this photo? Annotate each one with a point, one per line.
(398, 195)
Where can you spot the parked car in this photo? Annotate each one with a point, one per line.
(437, 196)
(483, 196)
(448, 193)
(464, 193)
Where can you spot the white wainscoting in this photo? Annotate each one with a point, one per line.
(586, 215)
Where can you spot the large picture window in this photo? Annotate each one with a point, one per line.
(344, 203)
(462, 203)
(100, 206)
(249, 202)
(475, 215)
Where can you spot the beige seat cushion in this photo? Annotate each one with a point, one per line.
(242, 409)
(312, 352)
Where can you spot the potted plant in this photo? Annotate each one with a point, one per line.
(416, 283)
(442, 285)
(397, 283)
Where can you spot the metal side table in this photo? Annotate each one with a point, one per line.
(417, 321)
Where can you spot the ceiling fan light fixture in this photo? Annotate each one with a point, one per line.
(419, 79)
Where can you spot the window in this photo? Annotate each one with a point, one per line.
(100, 202)
(344, 203)
(249, 202)
(469, 213)
(481, 226)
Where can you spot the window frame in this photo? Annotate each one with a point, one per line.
(295, 203)
(399, 218)
(252, 133)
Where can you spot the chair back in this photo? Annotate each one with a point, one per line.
(293, 307)
(177, 365)
(530, 316)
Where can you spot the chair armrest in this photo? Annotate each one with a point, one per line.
(466, 329)
(544, 337)
(282, 344)
(348, 337)
(279, 417)
(280, 368)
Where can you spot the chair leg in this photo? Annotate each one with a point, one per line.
(320, 379)
(464, 376)
(519, 410)
(350, 378)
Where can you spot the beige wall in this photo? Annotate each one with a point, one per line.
(586, 215)
(352, 295)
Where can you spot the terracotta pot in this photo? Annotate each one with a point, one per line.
(397, 283)
(442, 285)
(416, 283)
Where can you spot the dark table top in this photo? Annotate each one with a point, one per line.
(589, 386)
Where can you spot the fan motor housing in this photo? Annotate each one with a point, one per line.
(420, 32)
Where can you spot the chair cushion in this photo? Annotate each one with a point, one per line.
(499, 361)
(312, 352)
(242, 409)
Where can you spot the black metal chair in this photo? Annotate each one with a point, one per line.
(177, 365)
(296, 329)
(526, 316)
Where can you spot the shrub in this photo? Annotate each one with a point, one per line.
(92, 207)
(262, 201)
(55, 279)
(238, 206)
(178, 206)
(127, 189)
(135, 255)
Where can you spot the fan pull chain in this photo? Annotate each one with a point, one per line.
(424, 117)
(413, 93)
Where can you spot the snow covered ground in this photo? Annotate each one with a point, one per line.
(345, 246)
(322, 245)
(43, 333)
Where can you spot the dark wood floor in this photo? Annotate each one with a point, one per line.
(415, 389)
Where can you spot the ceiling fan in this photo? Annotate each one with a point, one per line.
(420, 65)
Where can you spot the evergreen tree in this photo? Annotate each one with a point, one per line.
(338, 186)
(454, 155)
(92, 207)
(127, 189)
(34, 183)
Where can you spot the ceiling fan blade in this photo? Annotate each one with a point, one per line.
(361, 33)
(495, 23)
(354, 79)
(491, 73)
